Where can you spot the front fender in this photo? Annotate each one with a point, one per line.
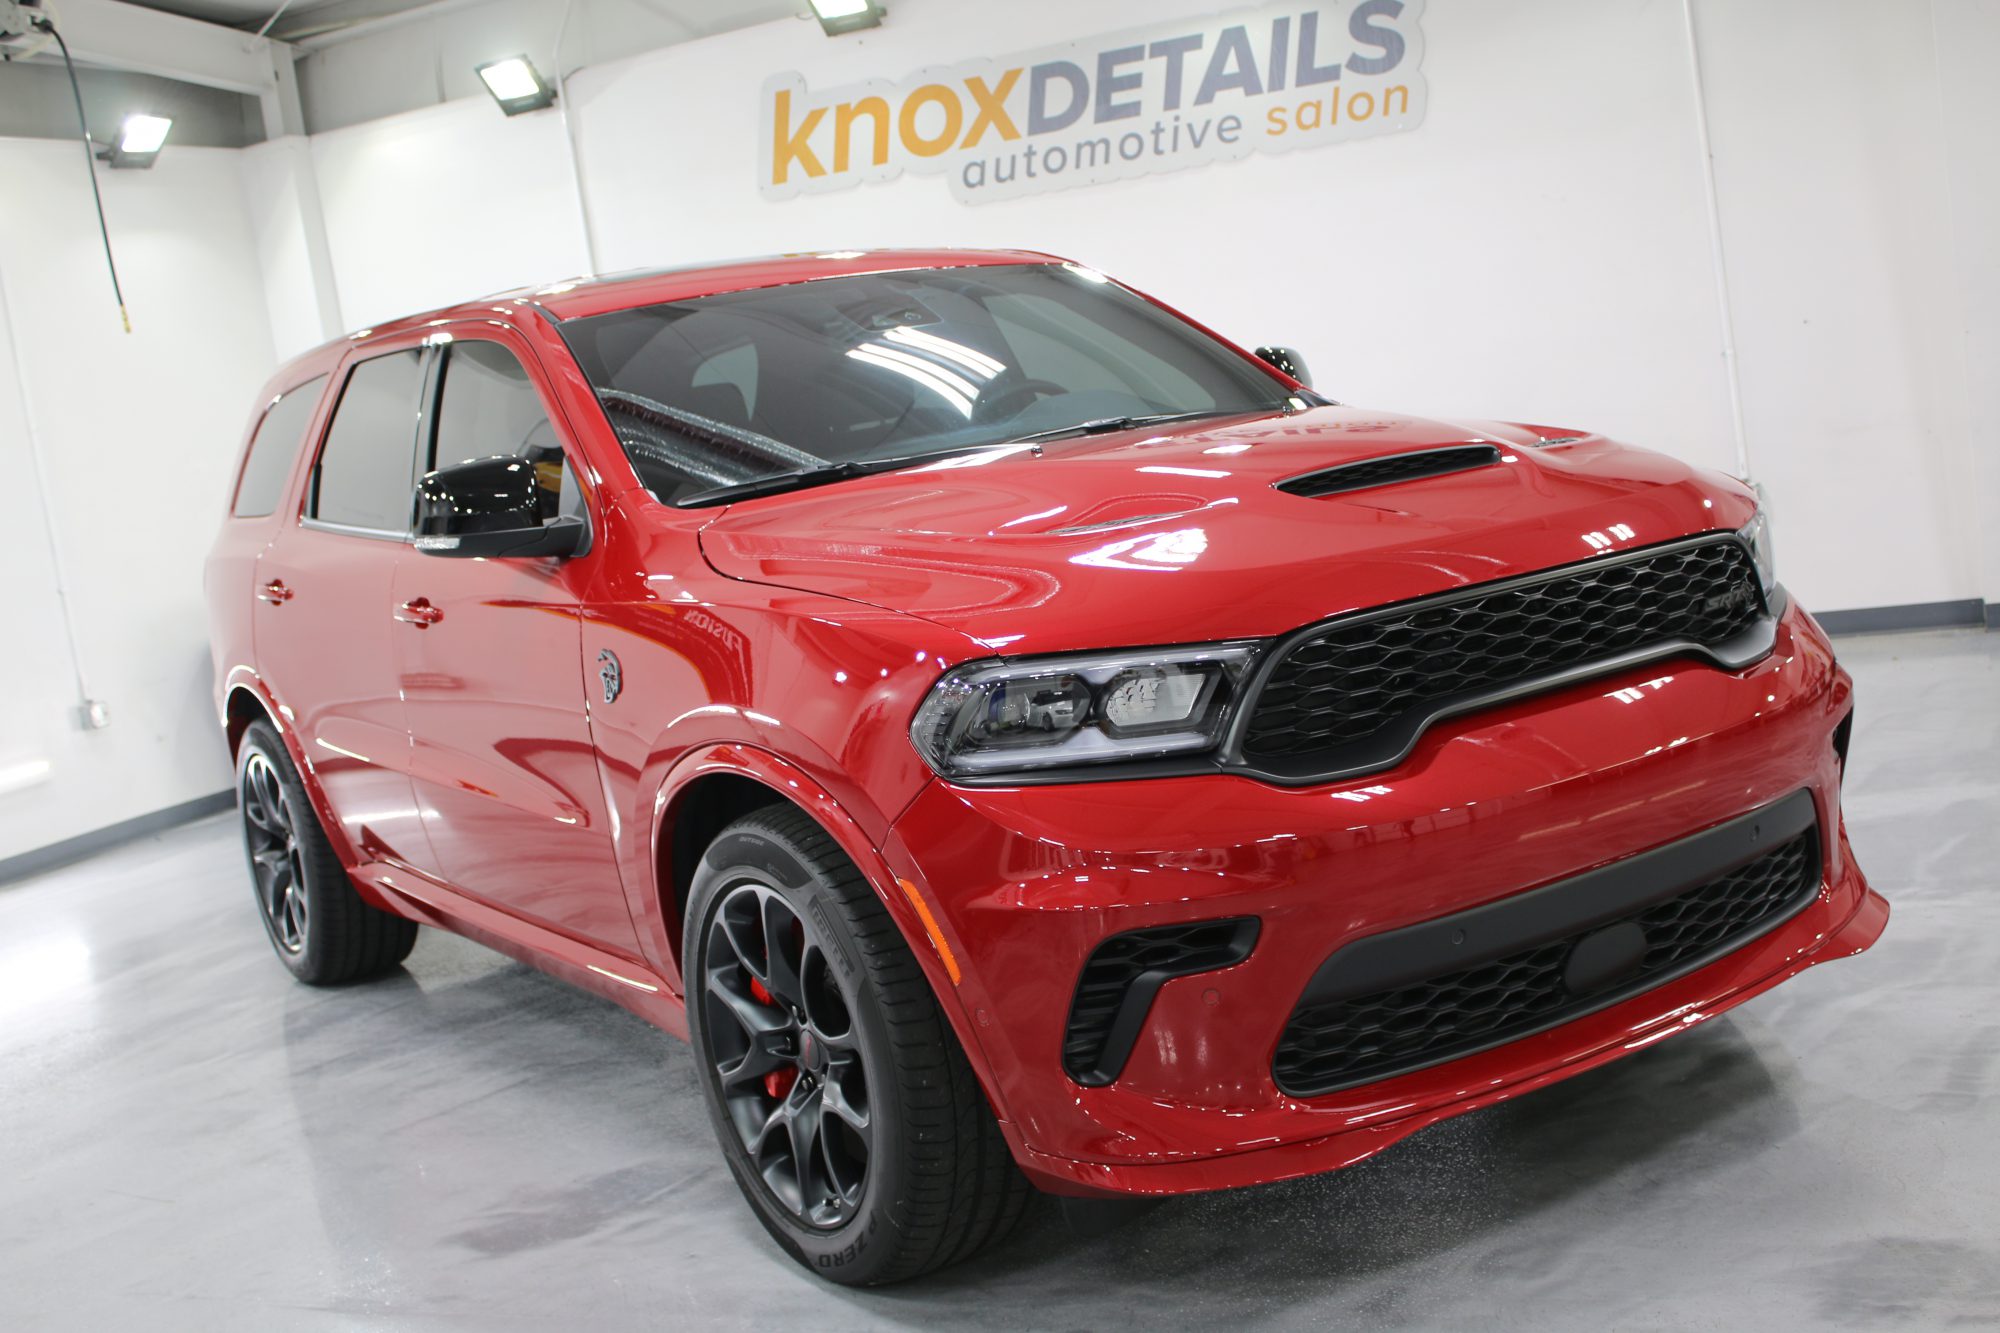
(849, 828)
(847, 814)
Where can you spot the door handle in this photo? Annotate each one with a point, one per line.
(419, 612)
(274, 592)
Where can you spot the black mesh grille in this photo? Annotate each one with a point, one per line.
(1358, 691)
(1117, 975)
(1363, 1038)
(1396, 467)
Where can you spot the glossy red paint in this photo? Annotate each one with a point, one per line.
(474, 776)
(1030, 879)
(988, 546)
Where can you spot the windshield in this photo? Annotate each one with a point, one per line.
(834, 374)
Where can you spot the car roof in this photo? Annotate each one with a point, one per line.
(580, 297)
(576, 298)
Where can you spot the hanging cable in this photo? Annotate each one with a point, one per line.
(276, 15)
(569, 137)
(90, 165)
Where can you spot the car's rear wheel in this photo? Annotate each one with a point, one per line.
(319, 926)
(848, 1113)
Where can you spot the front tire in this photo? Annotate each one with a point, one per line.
(319, 926)
(848, 1114)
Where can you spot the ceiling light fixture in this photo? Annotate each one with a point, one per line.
(139, 141)
(516, 85)
(839, 16)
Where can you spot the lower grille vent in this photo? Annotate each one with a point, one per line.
(1123, 974)
(1363, 1038)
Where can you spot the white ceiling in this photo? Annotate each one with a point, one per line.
(253, 14)
(312, 18)
(365, 59)
(257, 13)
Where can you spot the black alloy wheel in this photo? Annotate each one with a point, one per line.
(323, 930)
(845, 1107)
(272, 841)
(786, 1053)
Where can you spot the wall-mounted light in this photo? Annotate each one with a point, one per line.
(839, 16)
(138, 143)
(516, 85)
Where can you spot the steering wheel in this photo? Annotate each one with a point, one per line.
(990, 409)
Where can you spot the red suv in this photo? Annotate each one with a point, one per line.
(1017, 736)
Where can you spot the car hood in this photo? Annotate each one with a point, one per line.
(1177, 534)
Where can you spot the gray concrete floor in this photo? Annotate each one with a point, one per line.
(190, 1140)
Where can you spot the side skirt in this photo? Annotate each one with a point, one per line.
(623, 981)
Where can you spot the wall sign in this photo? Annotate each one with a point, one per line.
(1158, 98)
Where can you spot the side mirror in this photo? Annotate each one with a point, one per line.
(491, 507)
(1288, 360)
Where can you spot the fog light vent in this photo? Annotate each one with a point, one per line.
(1118, 983)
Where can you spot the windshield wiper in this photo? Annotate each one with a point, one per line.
(800, 478)
(1104, 425)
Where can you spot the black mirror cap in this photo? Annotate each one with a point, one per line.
(1288, 360)
(490, 507)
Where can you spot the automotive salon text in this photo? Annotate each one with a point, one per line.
(1159, 98)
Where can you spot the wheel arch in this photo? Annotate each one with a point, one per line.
(701, 809)
(246, 699)
(707, 791)
(711, 788)
(243, 706)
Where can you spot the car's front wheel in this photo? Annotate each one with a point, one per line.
(848, 1113)
(319, 926)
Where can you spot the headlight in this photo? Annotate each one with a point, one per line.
(1757, 536)
(991, 718)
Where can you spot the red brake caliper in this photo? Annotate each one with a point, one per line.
(779, 1081)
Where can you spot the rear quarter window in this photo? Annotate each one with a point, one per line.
(272, 449)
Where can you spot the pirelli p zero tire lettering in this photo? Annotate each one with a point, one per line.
(850, 1118)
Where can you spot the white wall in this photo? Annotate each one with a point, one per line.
(1831, 168)
(137, 433)
(1968, 40)
(435, 207)
(419, 58)
(287, 220)
(1537, 250)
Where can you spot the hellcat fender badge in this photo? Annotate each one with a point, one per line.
(608, 671)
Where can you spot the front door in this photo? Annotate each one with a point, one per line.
(493, 680)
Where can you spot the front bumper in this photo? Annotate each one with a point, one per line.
(1026, 882)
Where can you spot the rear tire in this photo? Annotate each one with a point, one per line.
(820, 1043)
(319, 926)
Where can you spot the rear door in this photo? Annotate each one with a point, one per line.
(492, 673)
(323, 616)
(278, 435)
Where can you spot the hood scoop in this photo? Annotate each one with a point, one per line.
(1388, 470)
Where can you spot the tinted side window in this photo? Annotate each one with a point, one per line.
(489, 409)
(273, 448)
(365, 478)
